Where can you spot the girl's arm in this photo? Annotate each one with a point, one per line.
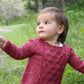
(76, 62)
(16, 52)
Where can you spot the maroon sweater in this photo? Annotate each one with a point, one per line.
(46, 62)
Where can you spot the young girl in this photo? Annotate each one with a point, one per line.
(48, 55)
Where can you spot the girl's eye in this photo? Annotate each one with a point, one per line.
(46, 22)
(38, 24)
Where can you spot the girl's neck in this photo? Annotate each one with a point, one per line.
(55, 43)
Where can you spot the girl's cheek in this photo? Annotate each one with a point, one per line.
(36, 31)
(48, 29)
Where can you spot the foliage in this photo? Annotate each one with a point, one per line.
(74, 16)
(10, 9)
(77, 6)
(35, 5)
(75, 12)
(30, 6)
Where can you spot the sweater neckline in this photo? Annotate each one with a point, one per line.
(48, 44)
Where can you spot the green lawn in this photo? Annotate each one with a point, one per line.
(12, 70)
(75, 39)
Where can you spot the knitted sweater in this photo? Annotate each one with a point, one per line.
(46, 62)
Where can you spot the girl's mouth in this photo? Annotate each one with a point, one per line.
(41, 31)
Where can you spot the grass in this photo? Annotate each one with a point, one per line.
(12, 70)
(75, 39)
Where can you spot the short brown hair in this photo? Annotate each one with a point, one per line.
(60, 18)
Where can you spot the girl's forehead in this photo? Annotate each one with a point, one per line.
(45, 16)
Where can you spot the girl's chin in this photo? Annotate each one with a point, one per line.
(43, 38)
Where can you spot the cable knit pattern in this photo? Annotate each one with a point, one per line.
(46, 62)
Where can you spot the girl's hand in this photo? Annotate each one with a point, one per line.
(3, 42)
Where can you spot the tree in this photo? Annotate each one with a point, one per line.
(40, 5)
(31, 5)
(63, 4)
(10, 9)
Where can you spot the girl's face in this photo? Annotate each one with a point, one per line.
(47, 27)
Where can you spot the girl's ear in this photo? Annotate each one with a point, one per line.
(60, 29)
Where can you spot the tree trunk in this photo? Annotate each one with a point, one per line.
(40, 5)
(11, 20)
(21, 20)
(63, 4)
(6, 21)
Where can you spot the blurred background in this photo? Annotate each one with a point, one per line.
(16, 11)
(18, 24)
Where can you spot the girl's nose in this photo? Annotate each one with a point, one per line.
(41, 26)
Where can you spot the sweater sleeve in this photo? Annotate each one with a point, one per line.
(19, 53)
(76, 62)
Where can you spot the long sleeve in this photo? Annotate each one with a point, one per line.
(19, 52)
(76, 62)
